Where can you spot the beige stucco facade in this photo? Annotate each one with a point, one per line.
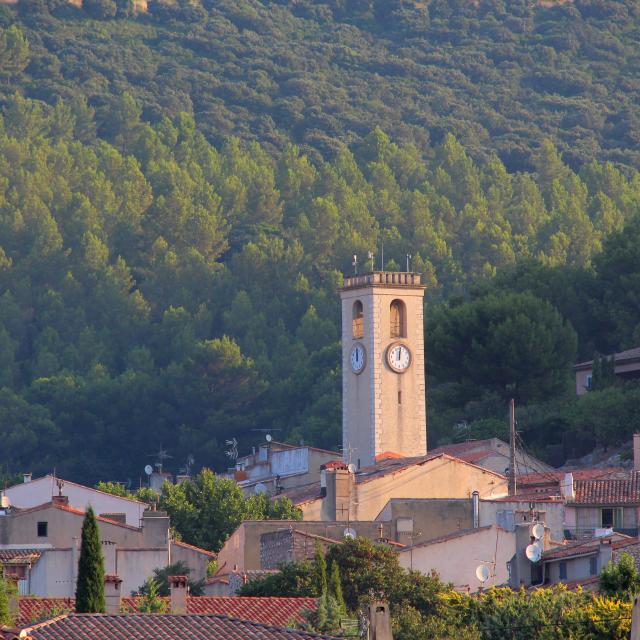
(383, 410)
(457, 556)
(130, 552)
(363, 495)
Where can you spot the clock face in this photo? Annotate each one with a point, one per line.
(358, 358)
(398, 357)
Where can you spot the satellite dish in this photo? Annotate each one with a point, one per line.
(268, 437)
(351, 467)
(533, 552)
(260, 488)
(350, 533)
(537, 531)
(482, 573)
(148, 469)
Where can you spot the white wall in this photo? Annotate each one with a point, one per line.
(52, 576)
(40, 491)
(456, 558)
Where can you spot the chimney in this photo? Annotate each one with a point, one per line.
(379, 621)
(323, 483)
(566, 487)
(475, 500)
(112, 594)
(26, 477)
(636, 451)
(178, 586)
(60, 500)
(339, 493)
(109, 554)
(155, 528)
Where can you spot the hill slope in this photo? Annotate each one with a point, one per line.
(499, 75)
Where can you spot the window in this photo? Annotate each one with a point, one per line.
(563, 570)
(611, 518)
(593, 566)
(589, 382)
(397, 320)
(42, 529)
(358, 319)
(399, 397)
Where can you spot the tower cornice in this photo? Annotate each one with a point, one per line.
(384, 279)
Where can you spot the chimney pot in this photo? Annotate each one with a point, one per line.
(112, 593)
(26, 477)
(178, 586)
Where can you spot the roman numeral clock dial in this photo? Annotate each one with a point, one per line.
(358, 358)
(398, 357)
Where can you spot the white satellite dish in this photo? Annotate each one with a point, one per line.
(349, 533)
(533, 552)
(482, 573)
(260, 488)
(537, 531)
(268, 437)
(148, 469)
(351, 467)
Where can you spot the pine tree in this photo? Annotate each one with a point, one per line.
(90, 587)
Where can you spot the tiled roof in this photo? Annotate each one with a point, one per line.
(273, 611)
(97, 626)
(584, 547)
(311, 492)
(621, 356)
(184, 545)
(77, 512)
(33, 609)
(610, 491)
(8, 555)
(459, 448)
(82, 486)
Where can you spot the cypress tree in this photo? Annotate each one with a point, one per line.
(90, 587)
(320, 570)
(335, 587)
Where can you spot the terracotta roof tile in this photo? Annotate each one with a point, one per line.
(272, 611)
(33, 609)
(184, 545)
(585, 547)
(610, 491)
(7, 555)
(160, 627)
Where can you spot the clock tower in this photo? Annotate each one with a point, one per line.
(383, 381)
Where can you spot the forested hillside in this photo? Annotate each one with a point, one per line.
(500, 75)
(165, 282)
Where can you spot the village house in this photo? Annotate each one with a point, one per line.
(32, 493)
(493, 454)
(276, 466)
(626, 366)
(345, 493)
(41, 546)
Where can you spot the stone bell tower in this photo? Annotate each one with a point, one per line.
(383, 380)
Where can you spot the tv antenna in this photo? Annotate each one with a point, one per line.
(161, 456)
(232, 452)
(187, 467)
(148, 469)
(354, 264)
(260, 488)
(268, 437)
(349, 533)
(60, 483)
(537, 531)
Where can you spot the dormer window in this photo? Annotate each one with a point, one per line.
(358, 319)
(397, 320)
